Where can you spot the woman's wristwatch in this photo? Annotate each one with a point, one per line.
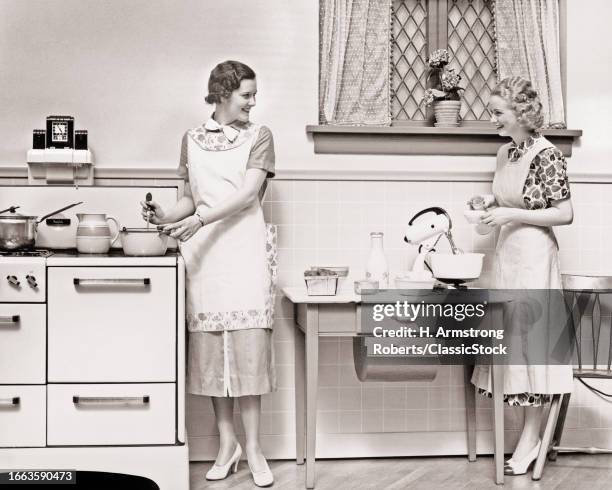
(200, 217)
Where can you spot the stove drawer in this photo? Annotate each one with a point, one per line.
(22, 416)
(111, 415)
(112, 324)
(23, 337)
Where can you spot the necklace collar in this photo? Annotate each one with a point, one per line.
(228, 130)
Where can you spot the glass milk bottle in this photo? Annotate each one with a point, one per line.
(376, 267)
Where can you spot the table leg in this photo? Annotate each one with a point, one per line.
(497, 379)
(312, 382)
(300, 397)
(498, 421)
(470, 411)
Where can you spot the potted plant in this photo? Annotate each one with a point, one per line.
(444, 91)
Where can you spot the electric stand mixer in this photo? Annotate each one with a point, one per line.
(456, 268)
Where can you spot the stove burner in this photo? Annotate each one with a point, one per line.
(26, 253)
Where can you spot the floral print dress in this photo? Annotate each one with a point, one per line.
(547, 177)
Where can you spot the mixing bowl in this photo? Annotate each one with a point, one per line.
(456, 268)
(143, 241)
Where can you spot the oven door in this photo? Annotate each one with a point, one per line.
(22, 416)
(22, 343)
(111, 324)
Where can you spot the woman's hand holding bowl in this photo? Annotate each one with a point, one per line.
(183, 230)
(498, 216)
(484, 201)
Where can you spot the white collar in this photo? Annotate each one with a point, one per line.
(230, 132)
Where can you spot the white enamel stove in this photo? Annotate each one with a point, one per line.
(92, 365)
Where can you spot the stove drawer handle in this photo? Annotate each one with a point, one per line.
(111, 282)
(10, 402)
(9, 320)
(111, 400)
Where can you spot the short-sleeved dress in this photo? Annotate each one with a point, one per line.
(230, 265)
(528, 176)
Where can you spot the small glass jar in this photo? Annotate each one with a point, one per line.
(477, 203)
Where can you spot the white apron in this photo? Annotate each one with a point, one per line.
(526, 257)
(229, 275)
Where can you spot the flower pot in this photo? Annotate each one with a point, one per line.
(447, 113)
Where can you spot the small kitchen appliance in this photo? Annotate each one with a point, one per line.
(60, 132)
(455, 268)
(60, 154)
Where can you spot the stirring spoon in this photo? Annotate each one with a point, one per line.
(148, 198)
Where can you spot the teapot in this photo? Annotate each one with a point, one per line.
(93, 233)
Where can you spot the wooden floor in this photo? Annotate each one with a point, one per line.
(570, 471)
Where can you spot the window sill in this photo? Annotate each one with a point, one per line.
(422, 140)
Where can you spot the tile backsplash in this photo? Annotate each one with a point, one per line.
(328, 223)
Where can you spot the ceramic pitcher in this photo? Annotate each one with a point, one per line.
(94, 234)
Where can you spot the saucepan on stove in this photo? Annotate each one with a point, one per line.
(18, 231)
(143, 241)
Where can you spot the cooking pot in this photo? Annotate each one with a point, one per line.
(143, 241)
(18, 231)
(57, 232)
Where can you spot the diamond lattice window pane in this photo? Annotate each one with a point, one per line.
(409, 59)
(471, 43)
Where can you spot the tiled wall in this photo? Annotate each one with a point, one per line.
(328, 222)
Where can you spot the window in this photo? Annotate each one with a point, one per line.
(466, 29)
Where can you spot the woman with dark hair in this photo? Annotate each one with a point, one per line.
(530, 195)
(228, 252)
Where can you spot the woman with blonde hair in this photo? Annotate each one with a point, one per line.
(228, 253)
(530, 195)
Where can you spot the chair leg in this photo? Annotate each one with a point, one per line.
(565, 399)
(547, 437)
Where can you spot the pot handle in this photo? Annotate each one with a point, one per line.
(114, 238)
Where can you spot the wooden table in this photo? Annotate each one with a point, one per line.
(340, 316)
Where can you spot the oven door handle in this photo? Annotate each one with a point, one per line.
(10, 402)
(145, 281)
(9, 320)
(111, 400)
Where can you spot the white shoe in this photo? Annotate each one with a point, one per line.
(520, 467)
(219, 472)
(263, 478)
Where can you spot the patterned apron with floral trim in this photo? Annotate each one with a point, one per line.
(526, 257)
(231, 263)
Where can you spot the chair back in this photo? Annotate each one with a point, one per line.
(589, 300)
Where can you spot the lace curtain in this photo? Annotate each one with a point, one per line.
(355, 58)
(527, 38)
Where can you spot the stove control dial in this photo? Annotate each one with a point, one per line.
(13, 280)
(31, 281)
